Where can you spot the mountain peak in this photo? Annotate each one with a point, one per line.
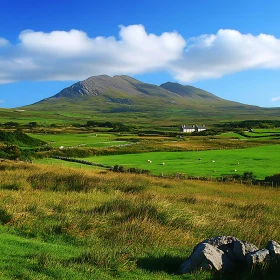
(122, 86)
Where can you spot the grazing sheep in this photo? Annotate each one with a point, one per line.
(237, 162)
(235, 170)
(163, 163)
(212, 160)
(149, 161)
(61, 147)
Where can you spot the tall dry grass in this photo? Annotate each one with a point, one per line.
(124, 223)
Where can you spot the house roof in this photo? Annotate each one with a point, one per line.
(193, 126)
(188, 126)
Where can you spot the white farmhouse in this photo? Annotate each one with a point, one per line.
(192, 128)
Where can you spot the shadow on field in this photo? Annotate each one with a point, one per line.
(171, 265)
(166, 263)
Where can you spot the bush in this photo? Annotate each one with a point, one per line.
(122, 169)
(5, 217)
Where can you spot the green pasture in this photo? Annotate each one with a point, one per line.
(62, 163)
(232, 135)
(79, 140)
(263, 161)
(267, 130)
(257, 134)
(264, 133)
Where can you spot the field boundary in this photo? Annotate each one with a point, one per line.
(82, 161)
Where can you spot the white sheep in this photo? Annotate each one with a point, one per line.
(212, 161)
(163, 163)
(149, 161)
(235, 170)
(237, 162)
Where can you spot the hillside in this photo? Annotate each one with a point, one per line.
(190, 92)
(128, 100)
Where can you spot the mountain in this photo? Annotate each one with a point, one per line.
(122, 98)
(190, 92)
(113, 86)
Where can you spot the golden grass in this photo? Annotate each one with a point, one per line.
(138, 214)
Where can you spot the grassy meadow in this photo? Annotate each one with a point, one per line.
(65, 223)
(262, 161)
(79, 139)
(67, 220)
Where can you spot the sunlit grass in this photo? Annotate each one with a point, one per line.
(66, 223)
(203, 163)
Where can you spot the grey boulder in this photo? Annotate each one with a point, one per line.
(274, 248)
(206, 257)
(257, 257)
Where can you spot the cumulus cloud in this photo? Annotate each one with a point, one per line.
(73, 55)
(228, 51)
(61, 55)
(274, 99)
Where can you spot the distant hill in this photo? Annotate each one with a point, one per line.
(122, 98)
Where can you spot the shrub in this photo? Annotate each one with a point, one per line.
(5, 217)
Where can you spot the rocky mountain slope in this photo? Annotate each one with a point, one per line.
(126, 99)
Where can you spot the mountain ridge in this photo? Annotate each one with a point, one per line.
(130, 100)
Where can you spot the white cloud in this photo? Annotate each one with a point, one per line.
(228, 51)
(73, 55)
(3, 42)
(274, 99)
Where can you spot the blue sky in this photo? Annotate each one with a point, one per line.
(46, 45)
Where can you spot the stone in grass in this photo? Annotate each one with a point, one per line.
(257, 257)
(274, 248)
(241, 248)
(207, 257)
(236, 249)
(220, 253)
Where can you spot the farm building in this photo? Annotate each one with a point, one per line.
(192, 128)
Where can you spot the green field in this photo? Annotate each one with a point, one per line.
(263, 161)
(79, 140)
(66, 220)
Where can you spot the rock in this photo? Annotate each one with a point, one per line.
(242, 248)
(274, 248)
(224, 243)
(207, 257)
(257, 257)
(219, 241)
(225, 253)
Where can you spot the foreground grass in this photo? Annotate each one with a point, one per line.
(89, 224)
